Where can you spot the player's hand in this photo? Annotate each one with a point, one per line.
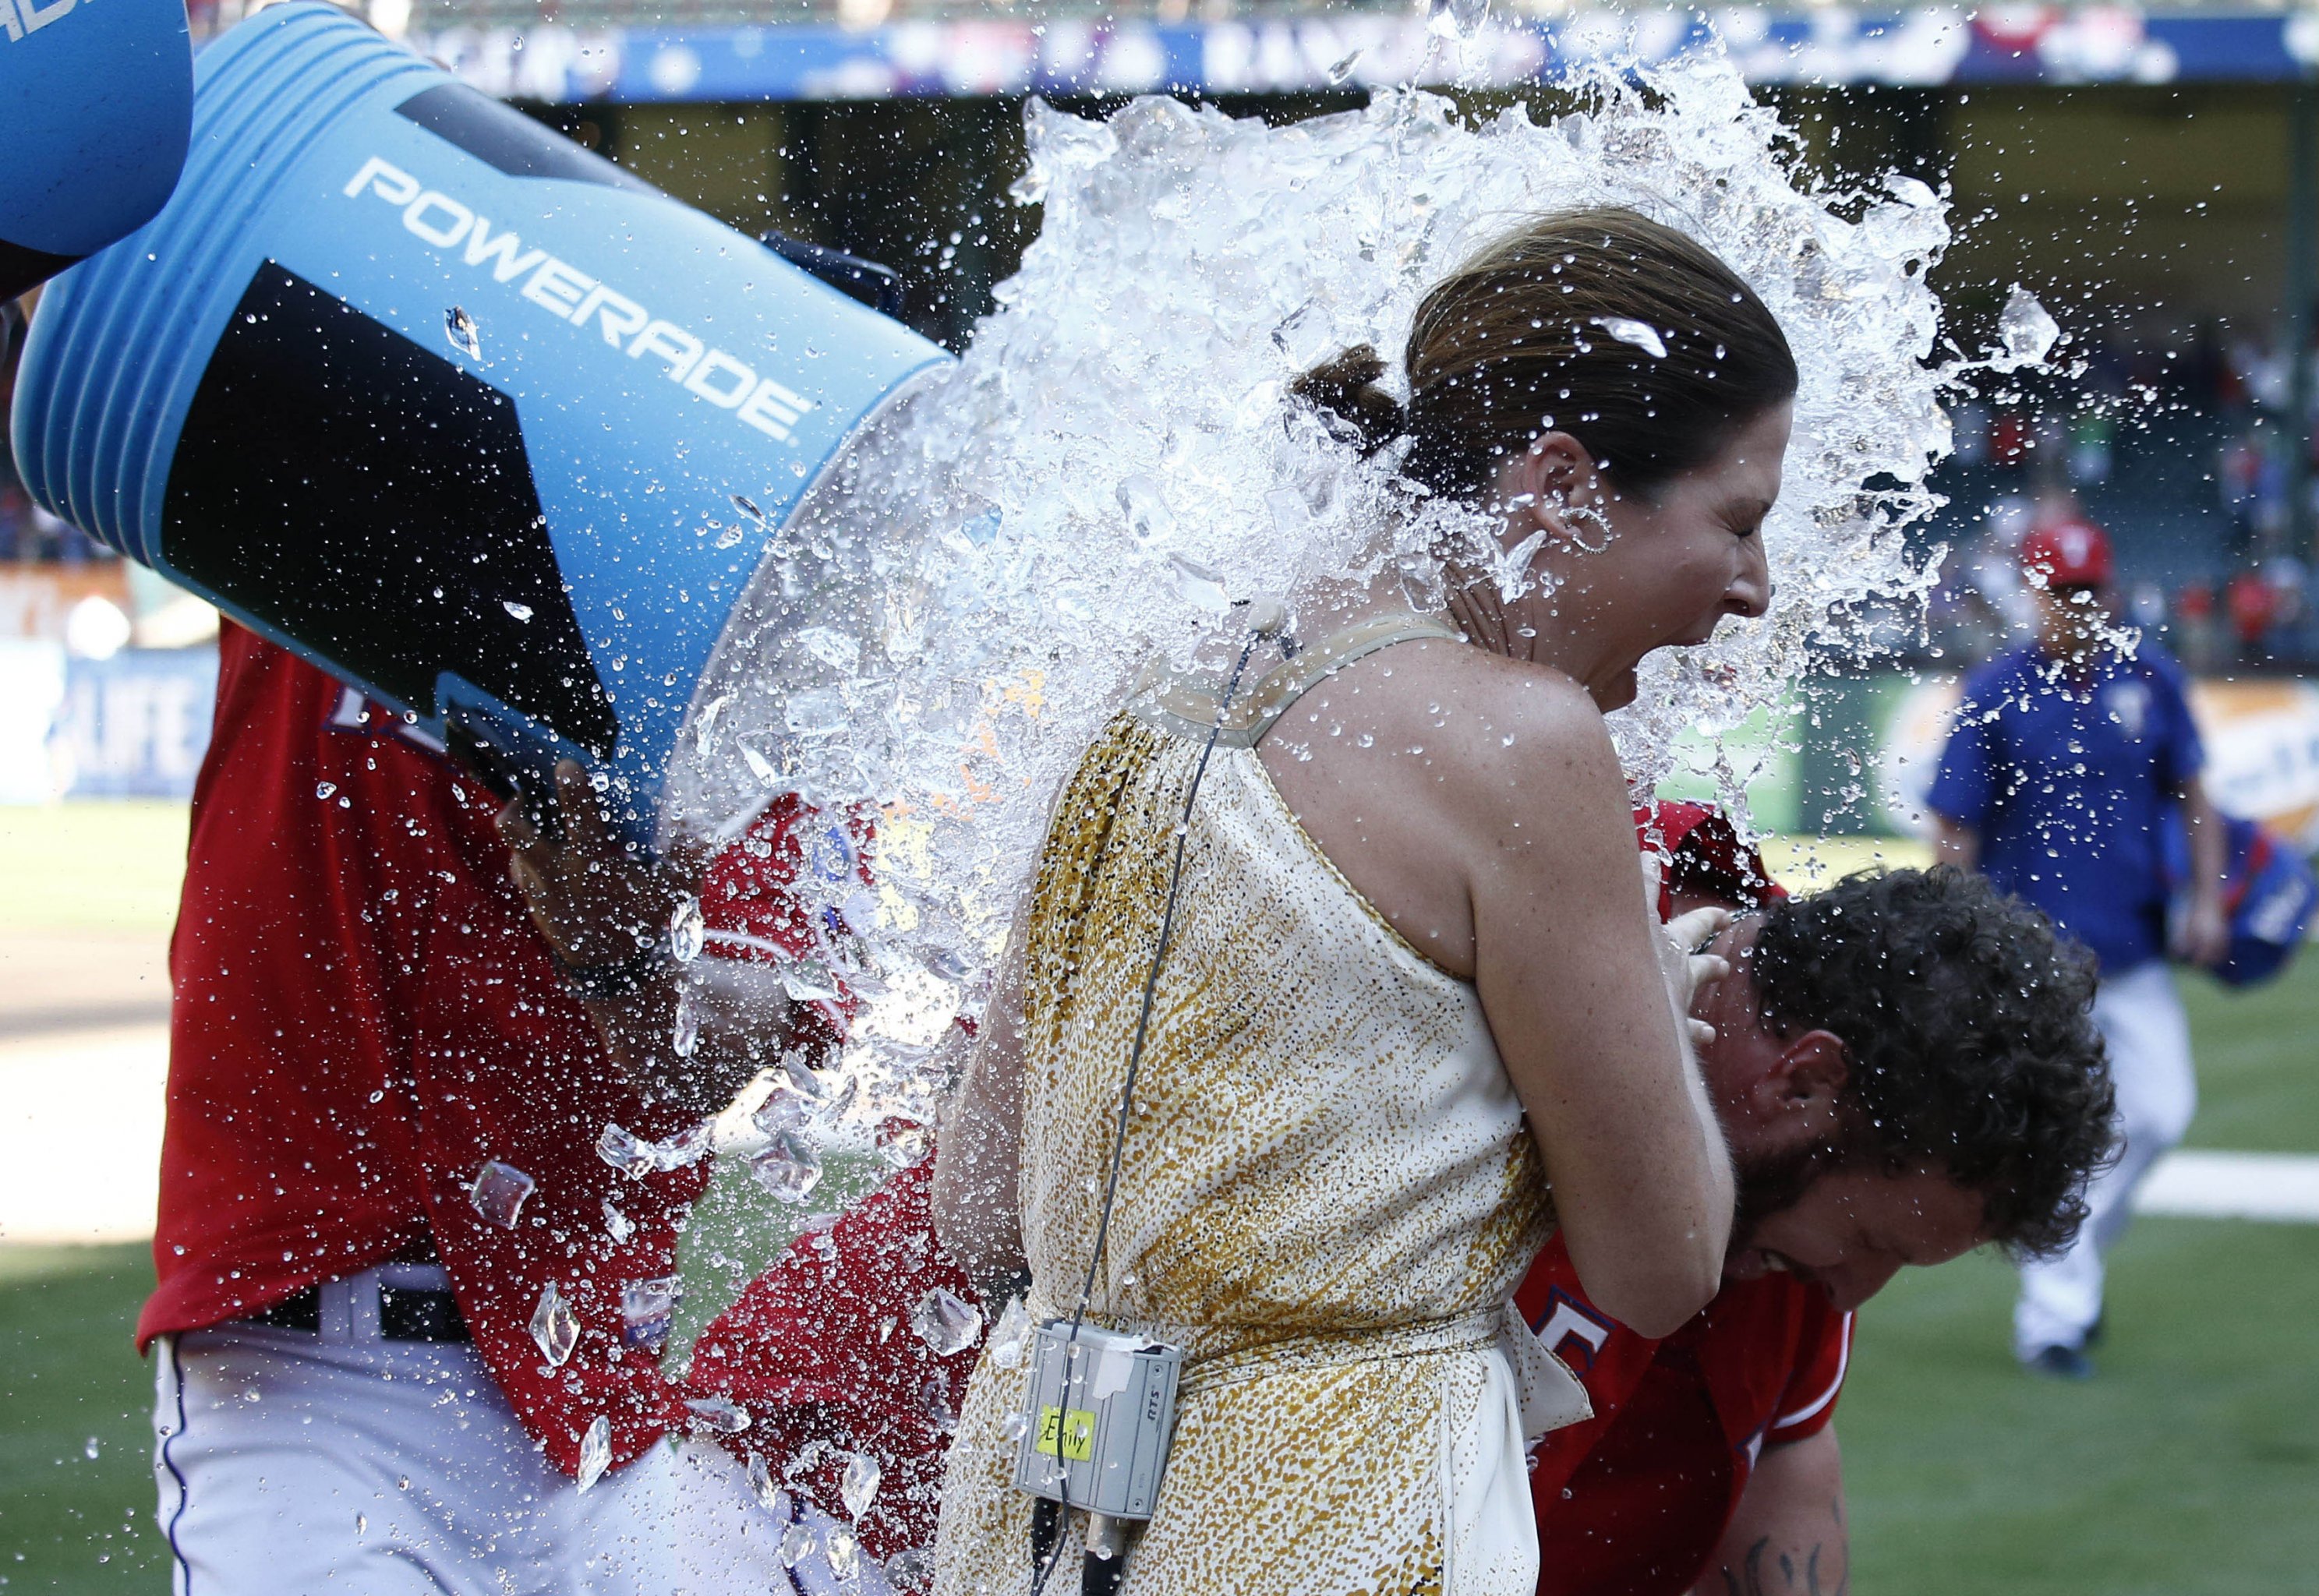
(2201, 935)
(594, 898)
(1682, 966)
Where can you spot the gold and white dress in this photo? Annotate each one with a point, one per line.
(1329, 1195)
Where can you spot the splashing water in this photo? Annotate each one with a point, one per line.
(965, 593)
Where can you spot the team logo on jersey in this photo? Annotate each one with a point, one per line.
(1567, 1319)
(2128, 704)
(353, 712)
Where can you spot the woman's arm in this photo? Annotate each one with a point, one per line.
(979, 1153)
(1567, 962)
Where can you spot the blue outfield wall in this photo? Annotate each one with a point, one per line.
(1930, 46)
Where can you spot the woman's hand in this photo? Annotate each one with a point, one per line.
(1682, 966)
(595, 900)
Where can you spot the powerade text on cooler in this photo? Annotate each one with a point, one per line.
(457, 408)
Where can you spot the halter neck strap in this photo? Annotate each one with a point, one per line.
(1186, 706)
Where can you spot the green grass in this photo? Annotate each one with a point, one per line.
(69, 1522)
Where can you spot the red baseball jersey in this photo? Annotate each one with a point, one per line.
(363, 1017)
(1633, 1501)
(820, 1348)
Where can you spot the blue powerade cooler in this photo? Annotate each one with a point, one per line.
(97, 96)
(464, 413)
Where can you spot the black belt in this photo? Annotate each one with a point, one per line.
(405, 1313)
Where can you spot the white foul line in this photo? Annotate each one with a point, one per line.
(2280, 1187)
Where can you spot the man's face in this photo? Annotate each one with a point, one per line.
(1846, 1227)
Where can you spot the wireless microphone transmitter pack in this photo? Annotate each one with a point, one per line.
(458, 410)
(1103, 1410)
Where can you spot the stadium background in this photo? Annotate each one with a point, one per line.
(2154, 177)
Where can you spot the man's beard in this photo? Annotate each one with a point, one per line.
(1772, 1183)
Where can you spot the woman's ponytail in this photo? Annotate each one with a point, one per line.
(1345, 389)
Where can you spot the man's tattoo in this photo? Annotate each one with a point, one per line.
(1749, 1580)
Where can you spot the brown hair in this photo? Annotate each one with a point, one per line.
(1514, 343)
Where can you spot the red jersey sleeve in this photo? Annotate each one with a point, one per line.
(1823, 1357)
(819, 1349)
(754, 912)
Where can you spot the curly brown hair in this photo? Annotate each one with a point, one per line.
(1968, 1024)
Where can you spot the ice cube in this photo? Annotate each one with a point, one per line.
(842, 1552)
(521, 613)
(719, 1413)
(617, 1224)
(945, 1324)
(787, 1166)
(910, 1572)
(799, 1541)
(460, 328)
(555, 1327)
(595, 1451)
(903, 1142)
(2027, 328)
(624, 1150)
(647, 1308)
(1200, 586)
(858, 1484)
(766, 1489)
(1011, 1336)
(809, 980)
(684, 1027)
(688, 932)
(498, 1192)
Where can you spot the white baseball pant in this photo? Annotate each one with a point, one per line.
(2147, 1035)
(295, 1463)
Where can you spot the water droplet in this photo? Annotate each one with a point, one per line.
(323, 789)
(1342, 67)
(89, 1450)
(1642, 335)
(555, 1327)
(685, 1028)
(460, 328)
(595, 1452)
(945, 1324)
(498, 1193)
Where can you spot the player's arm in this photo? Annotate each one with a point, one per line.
(1788, 1536)
(1954, 842)
(597, 904)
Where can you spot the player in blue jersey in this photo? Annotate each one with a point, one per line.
(2069, 760)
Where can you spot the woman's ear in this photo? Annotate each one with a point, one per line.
(1538, 486)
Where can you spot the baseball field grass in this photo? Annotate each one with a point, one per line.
(2190, 1466)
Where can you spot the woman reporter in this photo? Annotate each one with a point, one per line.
(1411, 975)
